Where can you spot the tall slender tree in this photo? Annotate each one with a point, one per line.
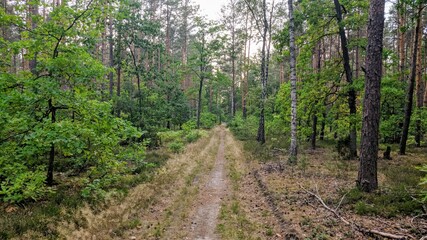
(349, 77)
(293, 151)
(411, 84)
(367, 177)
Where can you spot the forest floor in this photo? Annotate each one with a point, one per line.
(207, 192)
(222, 188)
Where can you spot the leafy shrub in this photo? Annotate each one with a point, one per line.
(244, 129)
(170, 136)
(424, 182)
(24, 185)
(93, 190)
(192, 136)
(176, 146)
(207, 120)
(189, 125)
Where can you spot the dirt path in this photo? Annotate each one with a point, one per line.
(204, 218)
(207, 192)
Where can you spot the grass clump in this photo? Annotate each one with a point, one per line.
(386, 203)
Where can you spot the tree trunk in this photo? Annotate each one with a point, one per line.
(34, 11)
(411, 86)
(233, 63)
(49, 179)
(199, 101)
(293, 78)
(246, 83)
(184, 48)
(261, 130)
(367, 176)
(401, 35)
(318, 69)
(322, 127)
(349, 76)
(420, 86)
(111, 56)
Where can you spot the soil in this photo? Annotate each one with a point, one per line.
(204, 218)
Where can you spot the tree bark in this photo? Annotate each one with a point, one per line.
(264, 70)
(420, 85)
(49, 179)
(349, 76)
(411, 86)
(111, 56)
(367, 176)
(314, 124)
(401, 35)
(293, 151)
(34, 11)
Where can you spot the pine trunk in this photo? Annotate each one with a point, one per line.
(411, 86)
(349, 76)
(367, 177)
(420, 86)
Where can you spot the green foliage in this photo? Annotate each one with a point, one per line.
(392, 106)
(176, 146)
(387, 203)
(170, 136)
(244, 129)
(192, 136)
(208, 120)
(23, 185)
(424, 182)
(57, 107)
(189, 125)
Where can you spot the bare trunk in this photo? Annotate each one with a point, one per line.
(411, 86)
(401, 35)
(293, 78)
(111, 56)
(367, 176)
(318, 69)
(349, 76)
(420, 87)
(49, 179)
(264, 66)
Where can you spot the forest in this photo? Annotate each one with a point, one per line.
(303, 103)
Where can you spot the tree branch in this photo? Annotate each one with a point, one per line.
(353, 225)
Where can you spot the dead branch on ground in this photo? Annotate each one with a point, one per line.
(357, 227)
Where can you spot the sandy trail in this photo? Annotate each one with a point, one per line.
(204, 218)
(181, 202)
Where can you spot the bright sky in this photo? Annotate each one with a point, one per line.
(211, 8)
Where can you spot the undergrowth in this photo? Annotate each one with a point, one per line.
(38, 220)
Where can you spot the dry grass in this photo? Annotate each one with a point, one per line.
(321, 172)
(245, 214)
(150, 207)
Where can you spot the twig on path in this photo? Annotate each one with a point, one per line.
(353, 225)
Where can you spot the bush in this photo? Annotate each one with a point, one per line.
(189, 125)
(176, 146)
(192, 136)
(170, 136)
(207, 120)
(244, 129)
(24, 185)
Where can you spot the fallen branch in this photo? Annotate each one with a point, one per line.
(353, 225)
